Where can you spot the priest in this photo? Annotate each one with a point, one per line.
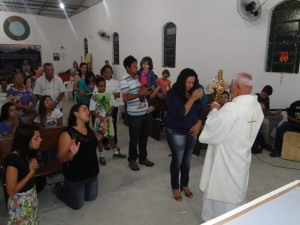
(230, 132)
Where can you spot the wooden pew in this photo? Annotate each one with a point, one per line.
(155, 127)
(49, 143)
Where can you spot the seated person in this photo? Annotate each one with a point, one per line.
(23, 98)
(48, 116)
(224, 98)
(9, 120)
(293, 124)
(3, 85)
(272, 118)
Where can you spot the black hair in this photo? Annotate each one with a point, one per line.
(268, 90)
(100, 79)
(149, 60)
(81, 65)
(128, 61)
(47, 64)
(22, 138)
(88, 75)
(226, 93)
(72, 121)
(166, 72)
(5, 111)
(42, 110)
(179, 85)
(102, 70)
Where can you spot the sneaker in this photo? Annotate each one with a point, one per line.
(141, 105)
(146, 162)
(102, 161)
(150, 109)
(106, 147)
(119, 155)
(133, 165)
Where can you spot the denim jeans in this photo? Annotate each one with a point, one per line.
(138, 132)
(182, 147)
(73, 194)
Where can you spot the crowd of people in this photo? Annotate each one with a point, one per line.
(225, 173)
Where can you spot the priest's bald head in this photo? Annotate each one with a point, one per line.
(241, 84)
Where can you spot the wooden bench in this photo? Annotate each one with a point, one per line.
(291, 146)
(49, 143)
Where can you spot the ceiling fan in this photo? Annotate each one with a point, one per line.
(249, 10)
(103, 35)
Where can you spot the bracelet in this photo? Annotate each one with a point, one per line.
(56, 101)
(101, 133)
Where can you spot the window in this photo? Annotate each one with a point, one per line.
(169, 47)
(116, 54)
(283, 46)
(86, 46)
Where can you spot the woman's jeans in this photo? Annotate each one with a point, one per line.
(182, 147)
(73, 194)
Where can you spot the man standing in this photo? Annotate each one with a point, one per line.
(230, 132)
(131, 90)
(271, 119)
(51, 85)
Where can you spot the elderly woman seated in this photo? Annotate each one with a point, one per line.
(23, 98)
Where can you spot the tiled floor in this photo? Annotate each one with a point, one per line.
(144, 197)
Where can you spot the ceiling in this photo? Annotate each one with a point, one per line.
(48, 8)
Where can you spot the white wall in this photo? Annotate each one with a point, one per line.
(50, 33)
(211, 35)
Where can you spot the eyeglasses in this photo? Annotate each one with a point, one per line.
(48, 101)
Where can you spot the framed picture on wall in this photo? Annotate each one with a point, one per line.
(19, 58)
(56, 56)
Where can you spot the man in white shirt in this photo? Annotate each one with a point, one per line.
(51, 85)
(230, 132)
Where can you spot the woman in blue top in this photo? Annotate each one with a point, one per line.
(86, 88)
(182, 127)
(9, 120)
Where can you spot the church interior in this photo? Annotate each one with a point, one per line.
(210, 35)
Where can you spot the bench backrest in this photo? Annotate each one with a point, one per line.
(50, 138)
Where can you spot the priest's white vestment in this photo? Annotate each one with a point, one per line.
(230, 133)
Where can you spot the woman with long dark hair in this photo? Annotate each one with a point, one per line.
(48, 116)
(9, 120)
(182, 127)
(21, 166)
(77, 149)
(81, 75)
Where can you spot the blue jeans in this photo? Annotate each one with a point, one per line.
(73, 194)
(182, 147)
(138, 132)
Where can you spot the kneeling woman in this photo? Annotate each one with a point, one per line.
(77, 150)
(21, 165)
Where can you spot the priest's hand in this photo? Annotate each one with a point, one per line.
(215, 105)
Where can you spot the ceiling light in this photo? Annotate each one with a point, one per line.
(61, 5)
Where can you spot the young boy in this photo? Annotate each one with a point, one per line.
(101, 106)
